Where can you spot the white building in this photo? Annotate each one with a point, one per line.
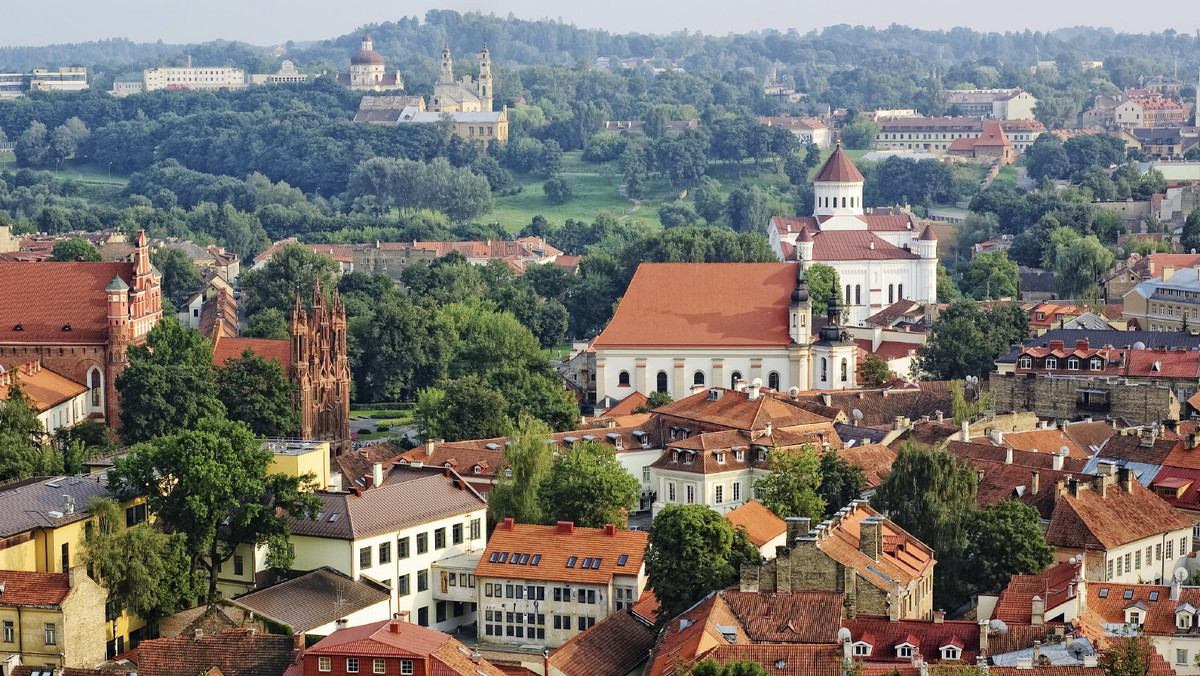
(392, 533)
(880, 258)
(193, 78)
(60, 403)
(66, 79)
(542, 585)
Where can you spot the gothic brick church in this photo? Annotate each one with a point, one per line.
(77, 319)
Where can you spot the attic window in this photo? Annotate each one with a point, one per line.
(1051, 362)
(1097, 364)
(334, 517)
(537, 558)
(571, 561)
(720, 458)
(1025, 362)
(1104, 593)
(862, 649)
(741, 456)
(904, 651)
(1153, 596)
(67, 327)
(1128, 594)
(1156, 367)
(622, 559)
(951, 653)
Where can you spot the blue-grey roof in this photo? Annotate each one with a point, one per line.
(1185, 279)
(41, 503)
(864, 435)
(1145, 472)
(1151, 339)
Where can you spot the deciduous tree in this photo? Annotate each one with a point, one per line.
(1004, 539)
(529, 458)
(74, 249)
(256, 392)
(589, 487)
(841, 482)
(791, 487)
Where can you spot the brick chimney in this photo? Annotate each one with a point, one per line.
(983, 636)
(797, 527)
(1125, 478)
(377, 473)
(610, 529)
(870, 537)
(1038, 611)
(506, 524)
(565, 527)
(1033, 482)
(1168, 271)
(939, 616)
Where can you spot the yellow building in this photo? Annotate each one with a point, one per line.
(41, 531)
(51, 619)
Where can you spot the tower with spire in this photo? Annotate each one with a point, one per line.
(320, 369)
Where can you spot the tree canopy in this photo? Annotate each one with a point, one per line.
(589, 486)
(791, 489)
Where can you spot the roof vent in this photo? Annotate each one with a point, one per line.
(66, 327)
(714, 394)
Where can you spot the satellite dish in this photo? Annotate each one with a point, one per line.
(1064, 451)
(1139, 345)
(858, 415)
(1071, 560)
(998, 626)
(844, 635)
(1180, 574)
(793, 391)
(757, 382)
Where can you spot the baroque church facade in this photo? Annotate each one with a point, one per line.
(465, 95)
(880, 258)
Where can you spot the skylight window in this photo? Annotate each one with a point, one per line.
(622, 559)
(494, 557)
(571, 561)
(524, 559)
(537, 558)
(1128, 594)
(334, 517)
(503, 557)
(587, 563)
(1104, 593)
(1153, 596)
(596, 563)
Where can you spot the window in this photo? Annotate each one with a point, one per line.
(440, 611)
(9, 632)
(1110, 571)
(691, 494)
(1051, 362)
(904, 651)
(585, 622)
(1183, 548)
(423, 616)
(1073, 364)
(824, 369)
(660, 381)
(719, 494)
(857, 294)
(439, 538)
(1158, 552)
(571, 561)
(891, 290)
(406, 667)
(476, 530)
(1181, 656)
(239, 565)
(324, 664)
(698, 378)
(646, 474)
(456, 533)
(403, 585)
(773, 380)
(422, 580)
(623, 379)
(1183, 620)
(352, 665)
(1137, 559)
(845, 370)
(378, 666)
(737, 491)
(385, 552)
(402, 548)
(364, 557)
(1170, 549)
(900, 291)
(733, 378)
(422, 543)
(670, 491)
(135, 515)
(1025, 362)
(950, 653)
(862, 649)
(1097, 364)
(1135, 617)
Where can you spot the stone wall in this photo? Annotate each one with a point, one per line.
(1075, 398)
(83, 630)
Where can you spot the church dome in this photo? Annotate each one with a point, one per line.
(367, 57)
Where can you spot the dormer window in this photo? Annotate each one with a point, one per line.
(720, 458)
(1156, 367)
(862, 649)
(1183, 621)
(1135, 617)
(1097, 364)
(741, 456)
(687, 458)
(905, 651)
(674, 456)
(478, 470)
(1073, 364)
(1025, 362)
(951, 652)
(1051, 362)
(762, 456)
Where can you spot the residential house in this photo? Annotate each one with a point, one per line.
(878, 567)
(763, 528)
(393, 648)
(238, 652)
(1165, 302)
(792, 633)
(319, 602)
(806, 129)
(391, 532)
(41, 531)
(543, 585)
(937, 133)
(1154, 112)
(998, 104)
(618, 645)
(991, 145)
(59, 402)
(52, 619)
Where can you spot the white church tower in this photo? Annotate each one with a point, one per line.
(838, 193)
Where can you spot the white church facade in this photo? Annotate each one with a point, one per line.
(880, 258)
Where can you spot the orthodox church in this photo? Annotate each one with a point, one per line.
(880, 258)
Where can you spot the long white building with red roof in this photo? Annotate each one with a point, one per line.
(880, 258)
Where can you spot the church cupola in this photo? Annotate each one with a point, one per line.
(832, 331)
(838, 187)
(926, 244)
(800, 310)
(804, 245)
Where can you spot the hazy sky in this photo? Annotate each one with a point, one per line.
(265, 22)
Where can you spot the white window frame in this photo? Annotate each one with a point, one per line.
(324, 663)
(862, 649)
(378, 666)
(351, 661)
(406, 667)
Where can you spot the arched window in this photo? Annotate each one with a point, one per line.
(733, 378)
(843, 202)
(1025, 362)
(858, 294)
(891, 290)
(95, 382)
(824, 370)
(661, 381)
(847, 294)
(773, 380)
(845, 370)
(623, 379)
(1051, 362)
(900, 292)
(1073, 364)
(698, 378)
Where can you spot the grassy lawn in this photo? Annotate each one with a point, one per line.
(1008, 174)
(561, 351)
(373, 419)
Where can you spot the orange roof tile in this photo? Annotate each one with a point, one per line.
(609, 551)
(614, 647)
(704, 305)
(875, 460)
(1088, 521)
(22, 588)
(42, 298)
(627, 405)
(45, 388)
(225, 349)
(761, 524)
(735, 410)
(904, 558)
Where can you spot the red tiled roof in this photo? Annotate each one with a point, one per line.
(1156, 364)
(627, 405)
(784, 660)
(856, 245)
(839, 168)
(225, 349)
(615, 646)
(808, 616)
(22, 588)
(704, 304)
(735, 410)
(557, 545)
(1175, 478)
(240, 652)
(875, 460)
(1055, 586)
(761, 524)
(1088, 521)
(44, 297)
(45, 388)
(396, 638)
(929, 636)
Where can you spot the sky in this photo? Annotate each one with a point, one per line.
(267, 22)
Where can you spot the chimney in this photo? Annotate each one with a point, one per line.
(1056, 460)
(1100, 485)
(941, 417)
(507, 524)
(298, 643)
(197, 632)
(566, 527)
(394, 626)
(1106, 468)
(739, 385)
(342, 623)
(870, 537)
(377, 473)
(1082, 344)
(1037, 647)
(753, 391)
(1008, 455)
(610, 529)
(797, 527)
(429, 445)
(983, 636)
(1172, 425)
(997, 436)
(1125, 478)
(966, 431)
(1073, 486)
(1176, 588)
(1091, 661)
(939, 616)
(1149, 436)
(1033, 482)
(697, 389)
(335, 482)
(1189, 442)
(1038, 611)
(1168, 271)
